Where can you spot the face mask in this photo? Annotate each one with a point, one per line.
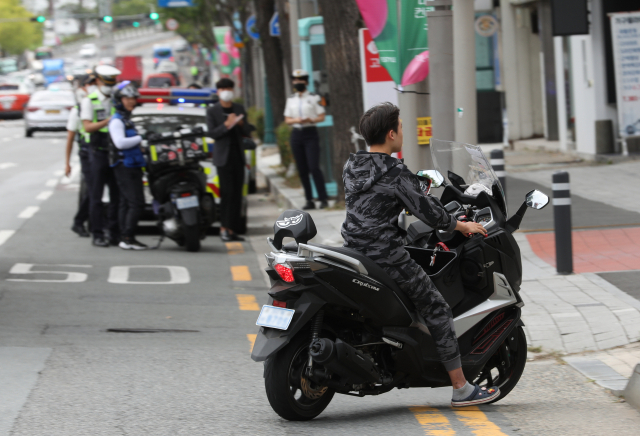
(300, 87)
(226, 96)
(106, 90)
(91, 89)
(80, 94)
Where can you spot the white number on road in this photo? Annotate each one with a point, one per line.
(178, 275)
(69, 277)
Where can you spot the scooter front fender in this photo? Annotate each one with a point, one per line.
(269, 341)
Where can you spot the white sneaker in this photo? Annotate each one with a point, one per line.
(132, 244)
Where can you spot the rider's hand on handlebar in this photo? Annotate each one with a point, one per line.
(470, 228)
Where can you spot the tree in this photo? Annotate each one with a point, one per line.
(272, 55)
(285, 37)
(341, 23)
(16, 37)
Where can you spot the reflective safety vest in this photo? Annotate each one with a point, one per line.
(99, 140)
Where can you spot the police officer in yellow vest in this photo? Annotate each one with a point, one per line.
(95, 112)
(75, 131)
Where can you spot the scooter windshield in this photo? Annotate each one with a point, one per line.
(465, 165)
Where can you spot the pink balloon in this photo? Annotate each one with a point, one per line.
(224, 59)
(417, 70)
(374, 13)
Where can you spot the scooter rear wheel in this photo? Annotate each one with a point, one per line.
(292, 396)
(192, 238)
(506, 366)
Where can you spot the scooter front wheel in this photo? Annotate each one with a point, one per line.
(290, 394)
(506, 366)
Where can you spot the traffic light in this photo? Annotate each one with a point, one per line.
(136, 24)
(154, 16)
(107, 18)
(39, 19)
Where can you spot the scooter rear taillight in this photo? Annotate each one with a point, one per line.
(279, 303)
(284, 272)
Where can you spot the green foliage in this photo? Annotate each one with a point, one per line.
(256, 117)
(18, 36)
(283, 138)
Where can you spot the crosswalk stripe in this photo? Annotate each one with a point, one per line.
(247, 302)
(234, 247)
(5, 235)
(432, 421)
(240, 273)
(28, 212)
(44, 195)
(474, 418)
(252, 340)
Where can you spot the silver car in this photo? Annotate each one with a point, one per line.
(48, 111)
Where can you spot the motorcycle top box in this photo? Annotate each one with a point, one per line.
(176, 148)
(335, 322)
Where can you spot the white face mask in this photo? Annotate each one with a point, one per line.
(91, 89)
(106, 90)
(80, 94)
(226, 95)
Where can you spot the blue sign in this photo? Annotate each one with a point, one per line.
(175, 3)
(274, 25)
(251, 27)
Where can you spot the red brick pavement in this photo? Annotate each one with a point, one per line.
(594, 250)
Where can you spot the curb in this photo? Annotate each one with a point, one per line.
(632, 391)
(284, 196)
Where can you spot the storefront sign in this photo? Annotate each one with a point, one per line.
(625, 35)
(377, 85)
(424, 130)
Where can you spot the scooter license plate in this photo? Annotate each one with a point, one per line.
(187, 202)
(275, 317)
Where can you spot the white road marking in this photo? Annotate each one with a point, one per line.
(51, 183)
(25, 268)
(29, 212)
(5, 165)
(44, 195)
(5, 235)
(120, 275)
(58, 173)
(55, 141)
(16, 136)
(6, 139)
(75, 171)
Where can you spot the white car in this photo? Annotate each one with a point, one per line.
(88, 50)
(167, 67)
(48, 111)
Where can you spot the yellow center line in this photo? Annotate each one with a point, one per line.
(247, 302)
(234, 248)
(432, 421)
(473, 417)
(252, 340)
(240, 273)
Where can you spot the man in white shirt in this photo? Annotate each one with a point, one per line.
(95, 112)
(302, 112)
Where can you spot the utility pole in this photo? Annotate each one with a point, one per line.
(464, 59)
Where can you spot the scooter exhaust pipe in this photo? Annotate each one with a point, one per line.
(342, 359)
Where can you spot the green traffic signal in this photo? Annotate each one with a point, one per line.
(136, 24)
(40, 19)
(107, 18)
(154, 16)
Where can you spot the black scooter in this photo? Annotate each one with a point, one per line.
(177, 181)
(336, 323)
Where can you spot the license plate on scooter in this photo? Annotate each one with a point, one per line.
(186, 202)
(275, 317)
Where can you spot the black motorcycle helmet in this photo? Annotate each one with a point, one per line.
(124, 89)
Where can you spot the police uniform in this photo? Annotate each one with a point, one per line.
(74, 124)
(305, 142)
(98, 107)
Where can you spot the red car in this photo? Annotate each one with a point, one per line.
(160, 80)
(13, 98)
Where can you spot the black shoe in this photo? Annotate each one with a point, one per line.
(324, 204)
(99, 241)
(132, 244)
(80, 230)
(229, 237)
(310, 205)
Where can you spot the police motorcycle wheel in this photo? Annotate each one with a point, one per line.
(506, 366)
(290, 394)
(192, 238)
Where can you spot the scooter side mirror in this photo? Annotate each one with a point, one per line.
(434, 175)
(536, 200)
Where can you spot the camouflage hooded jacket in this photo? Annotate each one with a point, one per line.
(377, 188)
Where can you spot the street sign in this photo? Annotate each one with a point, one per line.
(251, 27)
(172, 24)
(175, 3)
(274, 25)
(424, 130)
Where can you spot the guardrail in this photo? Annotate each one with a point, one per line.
(104, 42)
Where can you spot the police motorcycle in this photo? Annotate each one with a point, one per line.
(336, 323)
(177, 181)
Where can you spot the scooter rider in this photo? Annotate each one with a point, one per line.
(128, 161)
(377, 188)
(95, 112)
(75, 130)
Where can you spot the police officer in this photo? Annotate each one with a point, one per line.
(95, 112)
(302, 112)
(75, 130)
(128, 161)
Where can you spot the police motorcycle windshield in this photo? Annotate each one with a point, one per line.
(464, 165)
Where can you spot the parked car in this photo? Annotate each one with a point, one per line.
(13, 98)
(88, 50)
(48, 111)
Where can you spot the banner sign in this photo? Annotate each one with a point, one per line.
(377, 85)
(625, 35)
(175, 3)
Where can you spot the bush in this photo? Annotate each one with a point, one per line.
(283, 137)
(256, 117)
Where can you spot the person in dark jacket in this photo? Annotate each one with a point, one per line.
(378, 187)
(227, 125)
